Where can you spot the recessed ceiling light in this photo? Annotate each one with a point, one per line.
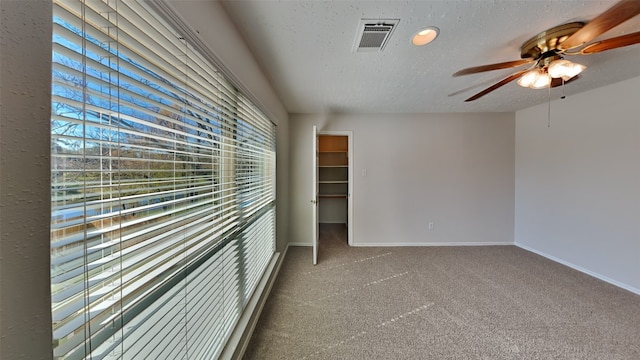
(425, 36)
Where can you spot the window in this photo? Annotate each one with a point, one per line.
(163, 189)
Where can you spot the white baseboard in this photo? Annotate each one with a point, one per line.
(580, 268)
(404, 244)
(298, 244)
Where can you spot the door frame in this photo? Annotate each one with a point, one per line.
(315, 198)
(349, 135)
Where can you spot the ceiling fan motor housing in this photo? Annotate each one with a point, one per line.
(546, 44)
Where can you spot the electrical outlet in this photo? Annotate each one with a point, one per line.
(430, 226)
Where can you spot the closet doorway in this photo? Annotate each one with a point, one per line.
(333, 182)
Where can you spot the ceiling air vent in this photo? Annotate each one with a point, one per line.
(373, 34)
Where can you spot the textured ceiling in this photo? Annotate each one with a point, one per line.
(306, 50)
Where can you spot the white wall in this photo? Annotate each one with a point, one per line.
(456, 170)
(578, 182)
(25, 70)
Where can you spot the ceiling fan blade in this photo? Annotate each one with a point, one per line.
(616, 15)
(613, 43)
(497, 66)
(500, 83)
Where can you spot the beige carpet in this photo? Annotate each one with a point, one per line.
(496, 302)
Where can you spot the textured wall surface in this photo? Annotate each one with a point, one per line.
(25, 70)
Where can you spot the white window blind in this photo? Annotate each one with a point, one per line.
(163, 189)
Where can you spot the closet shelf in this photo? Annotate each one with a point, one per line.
(336, 196)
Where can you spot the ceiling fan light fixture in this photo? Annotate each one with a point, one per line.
(528, 78)
(425, 36)
(564, 69)
(535, 79)
(542, 82)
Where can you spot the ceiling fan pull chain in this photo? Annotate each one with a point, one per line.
(549, 108)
